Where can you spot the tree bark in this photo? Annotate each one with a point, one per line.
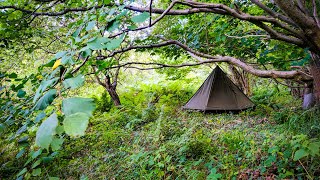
(114, 95)
(308, 97)
(315, 72)
(240, 78)
(111, 88)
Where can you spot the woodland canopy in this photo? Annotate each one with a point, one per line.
(53, 49)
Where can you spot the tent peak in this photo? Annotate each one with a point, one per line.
(218, 92)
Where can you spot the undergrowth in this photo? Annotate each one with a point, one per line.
(150, 137)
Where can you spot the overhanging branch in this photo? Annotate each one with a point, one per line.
(294, 74)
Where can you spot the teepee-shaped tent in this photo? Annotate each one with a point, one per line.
(218, 92)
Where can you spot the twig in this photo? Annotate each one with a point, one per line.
(246, 36)
(305, 170)
(82, 64)
(150, 12)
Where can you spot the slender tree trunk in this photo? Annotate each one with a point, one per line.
(111, 88)
(114, 95)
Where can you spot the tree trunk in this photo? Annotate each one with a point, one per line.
(111, 88)
(241, 79)
(308, 96)
(114, 95)
(315, 72)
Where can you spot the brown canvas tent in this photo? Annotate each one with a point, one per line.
(217, 93)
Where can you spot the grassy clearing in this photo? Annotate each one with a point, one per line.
(151, 138)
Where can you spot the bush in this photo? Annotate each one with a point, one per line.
(103, 102)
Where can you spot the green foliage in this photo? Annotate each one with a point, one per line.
(75, 82)
(76, 104)
(76, 124)
(103, 102)
(305, 147)
(140, 18)
(46, 100)
(46, 131)
(149, 137)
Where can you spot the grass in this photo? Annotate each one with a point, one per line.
(150, 137)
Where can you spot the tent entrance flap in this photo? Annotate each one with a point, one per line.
(218, 92)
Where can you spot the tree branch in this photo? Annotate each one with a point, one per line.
(97, 77)
(272, 13)
(165, 12)
(197, 7)
(65, 11)
(297, 15)
(315, 16)
(297, 75)
(150, 12)
(82, 64)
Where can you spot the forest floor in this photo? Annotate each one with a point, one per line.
(150, 137)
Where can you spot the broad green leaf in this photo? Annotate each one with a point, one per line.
(46, 100)
(75, 82)
(90, 25)
(56, 143)
(24, 170)
(98, 43)
(37, 163)
(314, 148)
(132, 27)
(140, 18)
(20, 153)
(76, 124)
(59, 130)
(123, 12)
(22, 129)
(39, 117)
(46, 131)
(21, 93)
(269, 161)
(112, 25)
(36, 172)
(60, 54)
(76, 32)
(36, 154)
(300, 154)
(50, 63)
(86, 52)
(214, 175)
(67, 60)
(114, 43)
(43, 86)
(77, 104)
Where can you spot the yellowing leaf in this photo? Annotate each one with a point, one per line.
(56, 64)
(39, 77)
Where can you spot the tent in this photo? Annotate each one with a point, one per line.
(218, 93)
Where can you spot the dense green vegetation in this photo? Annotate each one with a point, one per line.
(150, 137)
(94, 89)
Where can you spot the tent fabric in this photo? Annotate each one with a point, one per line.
(218, 92)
